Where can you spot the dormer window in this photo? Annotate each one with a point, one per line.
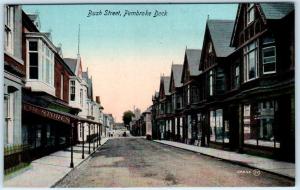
(250, 13)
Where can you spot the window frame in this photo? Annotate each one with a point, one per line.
(72, 86)
(263, 57)
(246, 53)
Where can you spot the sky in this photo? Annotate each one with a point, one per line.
(126, 55)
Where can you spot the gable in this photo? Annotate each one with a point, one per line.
(243, 29)
(185, 71)
(172, 83)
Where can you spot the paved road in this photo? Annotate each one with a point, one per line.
(136, 162)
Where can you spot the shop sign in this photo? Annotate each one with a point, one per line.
(46, 113)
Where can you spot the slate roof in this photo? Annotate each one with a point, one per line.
(193, 59)
(71, 64)
(32, 17)
(221, 31)
(166, 82)
(276, 10)
(177, 71)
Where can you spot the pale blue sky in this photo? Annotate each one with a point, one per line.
(127, 55)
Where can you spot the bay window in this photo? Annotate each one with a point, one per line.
(250, 61)
(40, 67)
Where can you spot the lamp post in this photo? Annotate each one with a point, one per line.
(71, 141)
(89, 138)
(82, 128)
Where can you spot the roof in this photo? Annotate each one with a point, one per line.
(33, 17)
(193, 59)
(220, 32)
(177, 70)
(166, 82)
(276, 10)
(71, 63)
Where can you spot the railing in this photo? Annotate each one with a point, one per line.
(15, 157)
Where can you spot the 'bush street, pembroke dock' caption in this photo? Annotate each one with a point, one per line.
(127, 13)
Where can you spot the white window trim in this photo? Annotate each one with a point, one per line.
(211, 83)
(263, 64)
(41, 67)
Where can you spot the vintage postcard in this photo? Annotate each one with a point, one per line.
(141, 94)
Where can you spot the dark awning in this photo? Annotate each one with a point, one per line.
(56, 115)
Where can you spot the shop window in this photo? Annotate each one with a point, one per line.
(212, 126)
(250, 61)
(72, 90)
(259, 125)
(226, 131)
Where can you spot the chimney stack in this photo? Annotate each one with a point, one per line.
(98, 99)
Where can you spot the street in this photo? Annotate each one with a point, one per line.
(136, 162)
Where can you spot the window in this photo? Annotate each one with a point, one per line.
(250, 13)
(92, 111)
(209, 47)
(220, 81)
(216, 125)
(250, 61)
(62, 86)
(269, 55)
(10, 109)
(269, 59)
(188, 95)
(211, 82)
(237, 76)
(259, 125)
(41, 64)
(33, 60)
(72, 90)
(9, 29)
(81, 97)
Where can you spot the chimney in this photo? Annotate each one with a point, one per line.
(98, 99)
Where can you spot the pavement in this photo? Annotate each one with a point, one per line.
(137, 162)
(286, 169)
(48, 170)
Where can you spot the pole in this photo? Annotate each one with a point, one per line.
(72, 164)
(82, 128)
(94, 137)
(89, 139)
